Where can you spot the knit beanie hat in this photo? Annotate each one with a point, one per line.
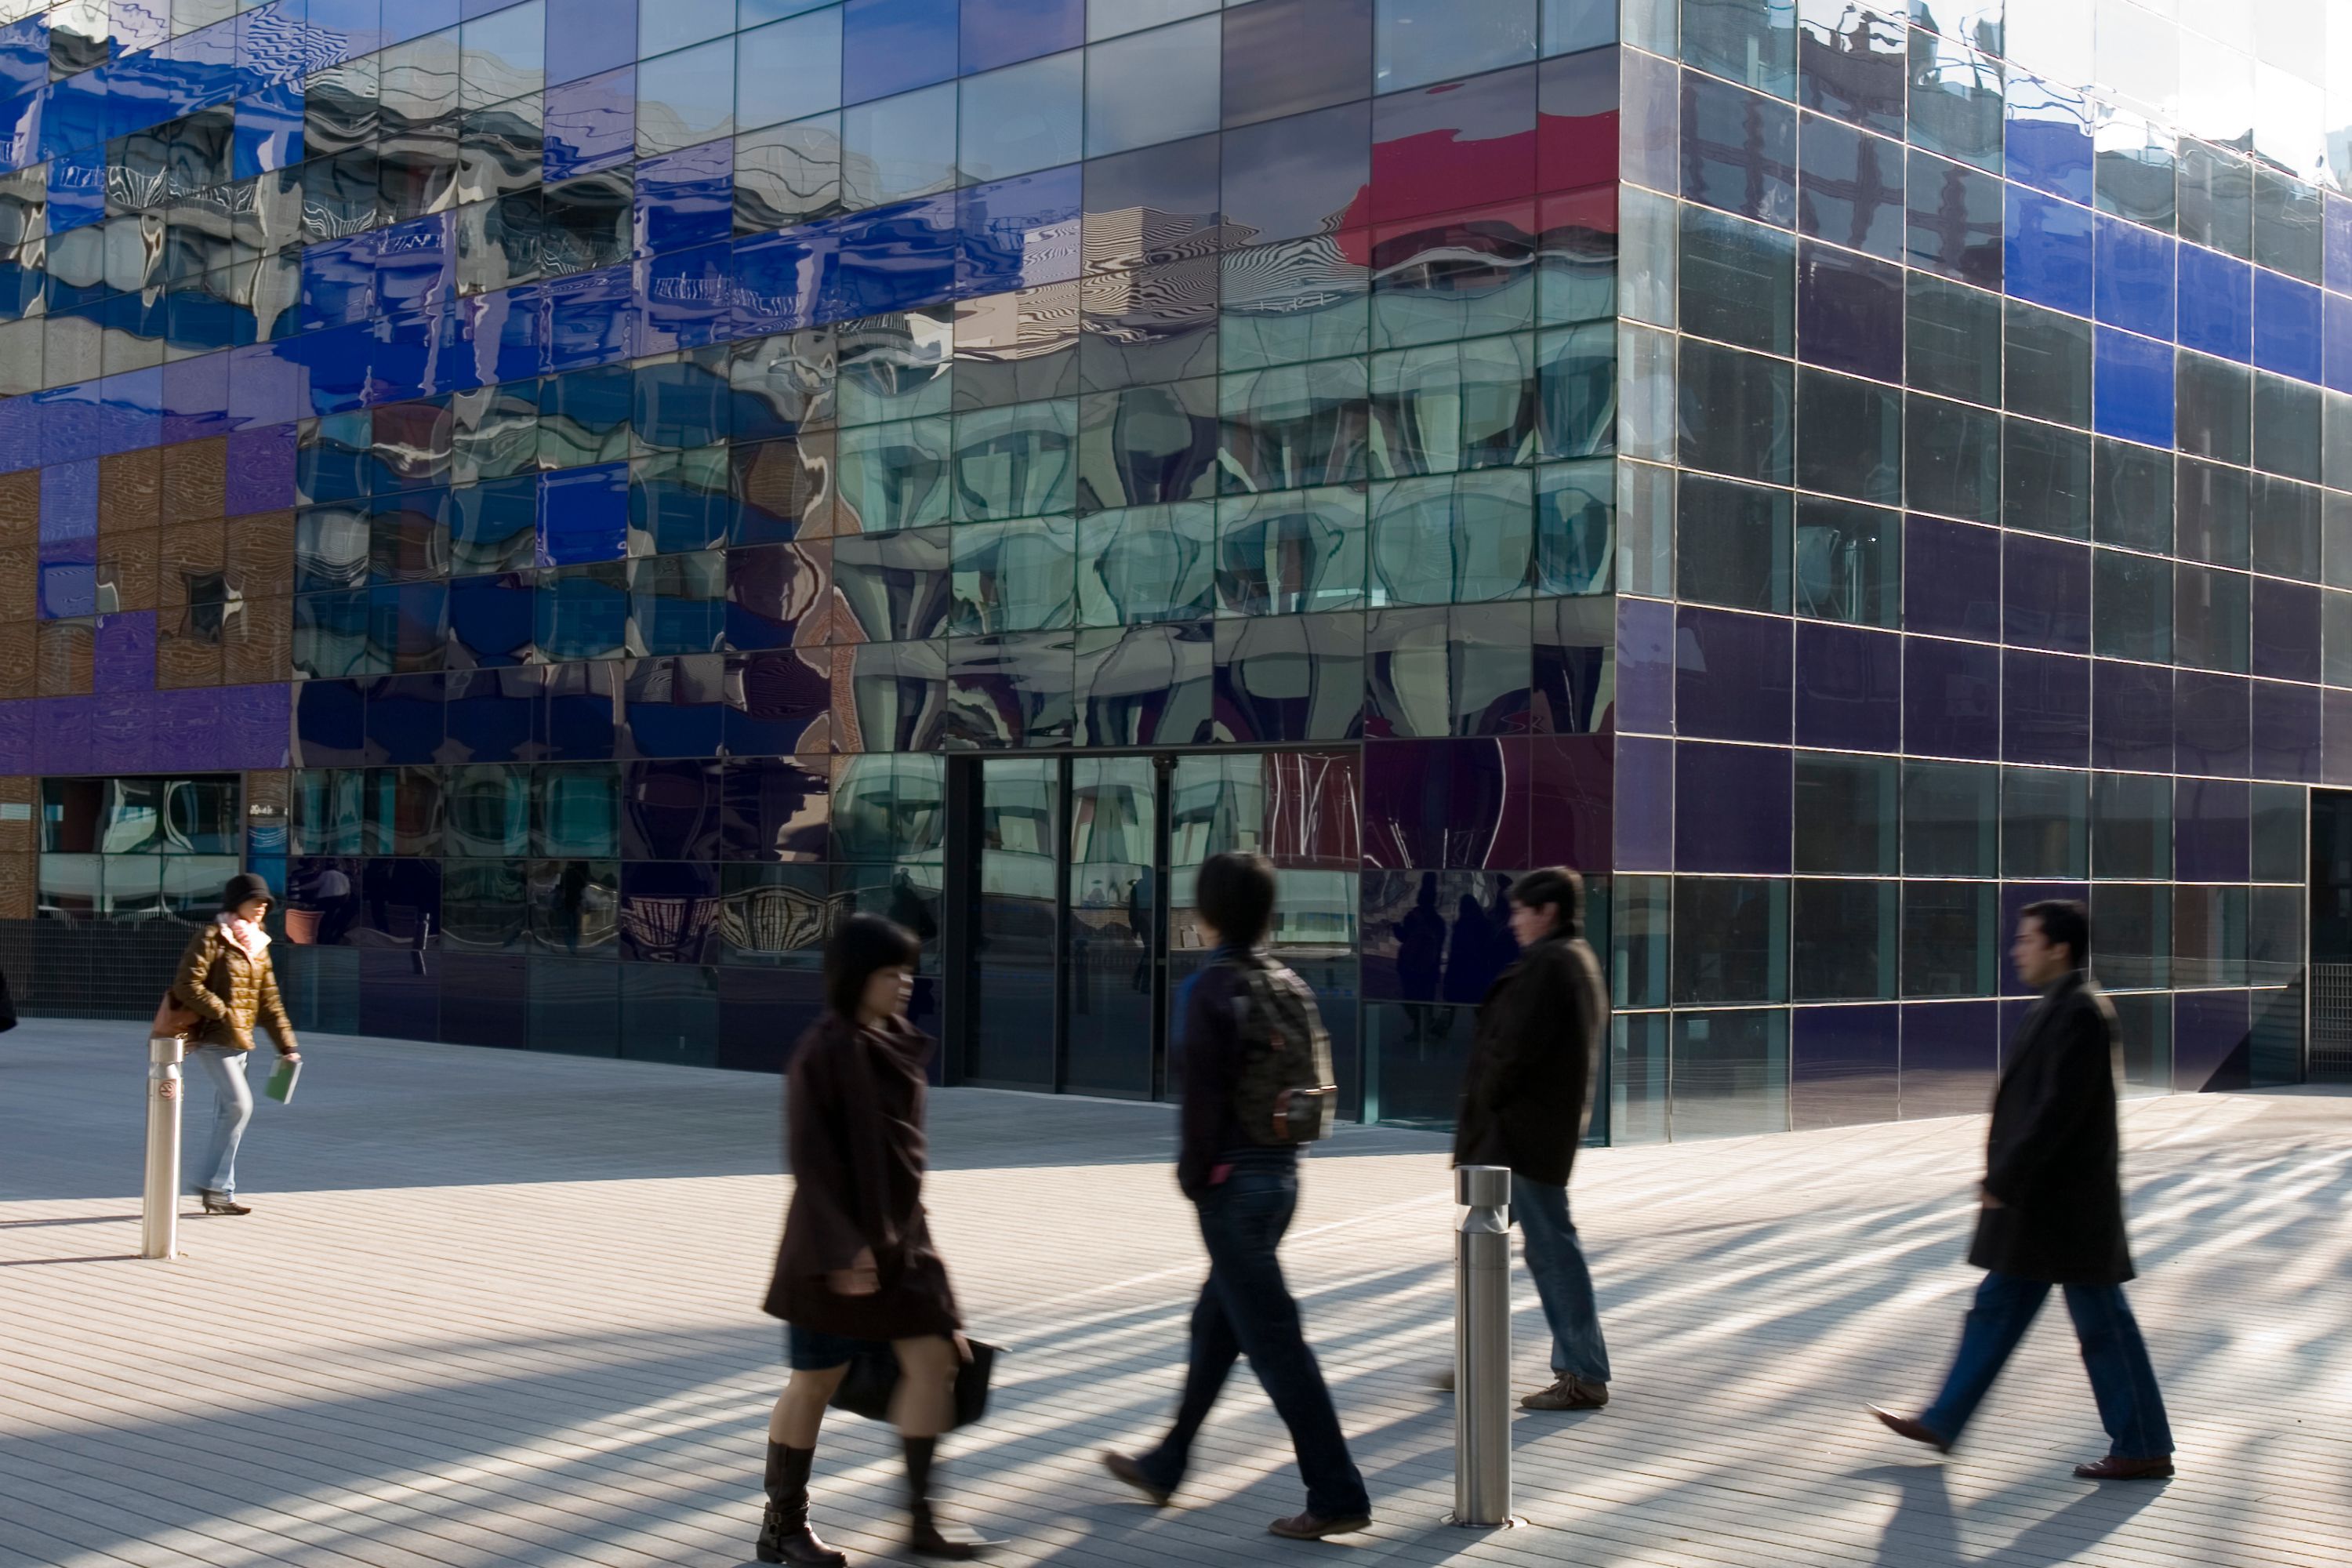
(245, 885)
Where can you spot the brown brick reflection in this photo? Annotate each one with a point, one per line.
(20, 506)
(16, 675)
(130, 491)
(18, 836)
(192, 553)
(17, 886)
(20, 592)
(63, 654)
(257, 642)
(127, 565)
(183, 658)
(195, 480)
(259, 549)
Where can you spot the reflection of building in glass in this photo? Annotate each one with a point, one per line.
(594, 496)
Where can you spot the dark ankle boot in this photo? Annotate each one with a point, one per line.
(784, 1533)
(930, 1537)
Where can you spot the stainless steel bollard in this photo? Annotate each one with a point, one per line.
(1481, 1347)
(159, 1224)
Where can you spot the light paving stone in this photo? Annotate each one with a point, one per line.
(498, 1308)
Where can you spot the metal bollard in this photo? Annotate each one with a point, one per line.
(159, 1220)
(1482, 1349)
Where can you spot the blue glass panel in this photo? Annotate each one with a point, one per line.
(1739, 151)
(2047, 251)
(2135, 277)
(778, 278)
(2045, 709)
(684, 299)
(2049, 139)
(892, 45)
(415, 266)
(504, 334)
(2337, 350)
(788, 71)
(405, 19)
(339, 281)
(686, 198)
(77, 189)
(999, 32)
(268, 130)
(2217, 304)
(583, 515)
(591, 318)
(591, 125)
(893, 258)
(1018, 232)
(1951, 699)
(2286, 325)
(585, 37)
(2132, 388)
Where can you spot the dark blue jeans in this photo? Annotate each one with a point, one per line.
(1562, 1281)
(2122, 1380)
(1246, 1309)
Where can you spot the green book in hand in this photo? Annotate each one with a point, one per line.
(280, 1086)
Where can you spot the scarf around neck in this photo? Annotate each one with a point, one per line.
(250, 937)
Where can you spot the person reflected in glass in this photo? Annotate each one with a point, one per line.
(2052, 1211)
(1527, 1098)
(856, 1271)
(1421, 956)
(1243, 1193)
(226, 979)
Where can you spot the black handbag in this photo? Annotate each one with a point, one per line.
(7, 1006)
(873, 1377)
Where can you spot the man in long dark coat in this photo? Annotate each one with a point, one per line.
(1526, 1096)
(2053, 1211)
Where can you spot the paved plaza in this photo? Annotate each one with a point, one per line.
(500, 1309)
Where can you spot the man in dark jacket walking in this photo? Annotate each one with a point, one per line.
(1526, 1096)
(2053, 1211)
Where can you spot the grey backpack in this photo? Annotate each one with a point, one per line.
(1287, 1095)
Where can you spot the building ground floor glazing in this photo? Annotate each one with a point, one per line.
(595, 909)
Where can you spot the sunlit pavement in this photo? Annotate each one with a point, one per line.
(501, 1307)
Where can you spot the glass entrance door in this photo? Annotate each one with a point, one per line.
(1079, 910)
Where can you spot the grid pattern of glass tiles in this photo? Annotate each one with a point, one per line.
(1986, 439)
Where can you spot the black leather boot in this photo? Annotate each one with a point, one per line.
(784, 1533)
(930, 1537)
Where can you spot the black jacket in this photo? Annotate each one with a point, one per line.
(1527, 1093)
(2054, 1156)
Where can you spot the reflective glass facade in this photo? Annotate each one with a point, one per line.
(622, 485)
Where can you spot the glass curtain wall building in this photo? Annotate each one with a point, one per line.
(580, 495)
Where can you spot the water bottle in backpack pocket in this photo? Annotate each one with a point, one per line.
(1287, 1094)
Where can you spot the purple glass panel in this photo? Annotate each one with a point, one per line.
(1406, 791)
(125, 657)
(2210, 1040)
(591, 125)
(252, 724)
(268, 384)
(1645, 666)
(1951, 699)
(196, 398)
(123, 732)
(1569, 795)
(1842, 1066)
(17, 743)
(1002, 32)
(62, 735)
(1849, 312)
(2131, 717)
(2286, 732)
(1731, 676)
(187, 726)
(262, 469)
(585, 36)
(1951, 578)
(1949, 1051)
(896, 46)
(1848, 691)
(1644, 815)
(68, 507)
(2014, 897)
(2286, 629)
(2211, 826)
(2048, 588)
(2045, 709)
(1732, 809)
(2210, 723)
(2335, 728)
(20, 433)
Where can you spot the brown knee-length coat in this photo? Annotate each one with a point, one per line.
(853, 1140)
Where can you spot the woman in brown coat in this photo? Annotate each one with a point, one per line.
(226, 978)
(856, 1270)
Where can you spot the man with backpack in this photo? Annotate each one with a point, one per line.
(1527, 1095)
(1255, 1072)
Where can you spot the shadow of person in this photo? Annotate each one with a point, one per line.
(2065, 1535)
(1921, 1532)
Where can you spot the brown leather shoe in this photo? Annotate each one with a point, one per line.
(1905, 1427)
(1314, 1527)
(2115, 1468)
(1568, 1394)
(1124, 1467)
